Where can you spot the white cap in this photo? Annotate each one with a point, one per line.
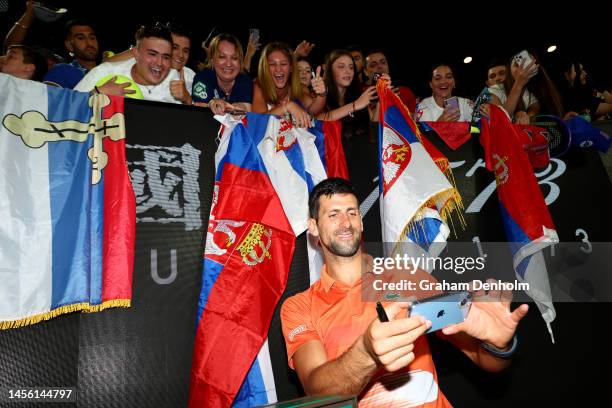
(48, 14)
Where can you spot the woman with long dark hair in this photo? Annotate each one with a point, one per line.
(527, 91)
(345, 99)
(579, 94)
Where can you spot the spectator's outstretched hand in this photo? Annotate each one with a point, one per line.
(303, 49)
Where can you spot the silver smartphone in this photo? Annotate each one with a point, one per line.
(443, 310)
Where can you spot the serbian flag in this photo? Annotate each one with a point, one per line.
(65, 197)
(416, 196)
(265, 169)
(328, 140)
(527, 222)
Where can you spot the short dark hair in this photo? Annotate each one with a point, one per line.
(327, 188)
(157, 30)
(30, 56)
(440, 64)
(77, 22)
(179, 29)
(354, 47)
(375, 51)
(496, 62)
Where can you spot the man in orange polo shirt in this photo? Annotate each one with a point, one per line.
(337, 345)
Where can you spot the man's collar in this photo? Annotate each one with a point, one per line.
(328, 281)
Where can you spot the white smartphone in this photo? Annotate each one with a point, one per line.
(443, 310)
(523, 58)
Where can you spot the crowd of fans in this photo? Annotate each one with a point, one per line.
(287, 82)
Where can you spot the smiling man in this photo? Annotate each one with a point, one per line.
(338, 346)
(150, 68)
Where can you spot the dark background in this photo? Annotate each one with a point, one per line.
(141, 356)
(415, 35)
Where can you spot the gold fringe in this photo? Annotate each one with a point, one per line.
(453, 204)
(453, 207)
(83, 307)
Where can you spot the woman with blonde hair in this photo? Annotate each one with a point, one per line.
(278, 90)
(222, 84)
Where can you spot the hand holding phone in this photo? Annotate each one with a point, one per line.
(522, 59)
(451, 103)
(254, 34)
(443, 310)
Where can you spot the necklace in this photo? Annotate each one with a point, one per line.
(227, 89)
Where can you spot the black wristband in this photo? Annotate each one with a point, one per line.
(501, 353)
(97, 90)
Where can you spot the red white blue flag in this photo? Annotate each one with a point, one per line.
(265, 170)
(416, 196)
(65, 196)
(527, 222)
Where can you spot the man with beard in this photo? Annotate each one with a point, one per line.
(338, 346)
(82, 44)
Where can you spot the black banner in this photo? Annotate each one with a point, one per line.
(141, 356)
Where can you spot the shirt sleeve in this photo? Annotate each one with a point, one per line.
(499, 92)
(200, 91)
(89, 81)
(63, 75)
(298, 328)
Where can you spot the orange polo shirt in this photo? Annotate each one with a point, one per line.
(334, 313)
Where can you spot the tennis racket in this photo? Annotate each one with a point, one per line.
(557, 133)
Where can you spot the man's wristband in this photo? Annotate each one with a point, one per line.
(501, 353)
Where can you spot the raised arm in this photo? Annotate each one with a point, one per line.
(522, 78)
(362, 102)
(18, 32)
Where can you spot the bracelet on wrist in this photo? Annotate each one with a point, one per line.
(97, 90)
(352, 111)
(491, 349)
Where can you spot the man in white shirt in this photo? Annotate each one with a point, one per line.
(150, 68)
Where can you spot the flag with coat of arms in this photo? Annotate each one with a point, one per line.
(527, 221)
(417, 197)
(265, 169)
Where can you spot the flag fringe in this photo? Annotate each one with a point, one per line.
(453, 207)
(82, 307)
